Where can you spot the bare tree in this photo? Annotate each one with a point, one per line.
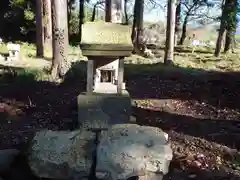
(196, 9)
(169, 47)
(127, 15)
(95, 6)
(39, 28)
(60, 38)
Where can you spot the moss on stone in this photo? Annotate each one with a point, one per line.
(106, 33)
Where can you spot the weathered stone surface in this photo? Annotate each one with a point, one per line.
(151, 176)
(102, 33)
(128, 150)
(6, 158)
(99, 111)
(61, 154)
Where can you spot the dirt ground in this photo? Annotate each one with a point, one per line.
(200, 113)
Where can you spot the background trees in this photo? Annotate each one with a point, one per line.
(31, 19)
(228, 25)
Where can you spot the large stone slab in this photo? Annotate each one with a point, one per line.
(103, 33)
(128, 150)
(106, 39)
(99, 111)
(61, 154)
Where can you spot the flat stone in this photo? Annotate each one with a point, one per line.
(128, 150)
(107, 88)
(61, 154)
(99, 111)
(106, 39)
(105, 33)
(151, 176)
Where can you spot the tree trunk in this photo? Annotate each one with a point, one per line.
(69, 11)
(39, 29)
(60, 38)
(169, 47)
(228, 22)
(184, 30)
(137, 28)
(81, 18)
(94, 12)
(125, 12)
(134, 26)
(231, 24)
(48, 24)
(139, 22)
(219, 40)
(228, 41)
(108, 10)
(178, 23)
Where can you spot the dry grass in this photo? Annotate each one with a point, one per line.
(29, 60)
(202, 59)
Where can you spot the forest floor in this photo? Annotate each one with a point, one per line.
(199, 109)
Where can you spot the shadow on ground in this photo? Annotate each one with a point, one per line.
(27, 105)
(203, 99)
(207, 103)
(225, 132)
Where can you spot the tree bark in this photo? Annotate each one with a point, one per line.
(169, 47)
(184, 30)
(39, 29)
(69, 15)
(60, 38)
(48, 24)
(108, 10)
(125, 12)
(178, 22)
(219, 40)
(231, 24)
(139, 21)
(228, 23)
(134, 26)
(137, 28)
(94, 12)
(81, 18)
(228, 41)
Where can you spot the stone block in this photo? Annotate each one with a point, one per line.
(62, 154)
(98, 110)
(129, 150)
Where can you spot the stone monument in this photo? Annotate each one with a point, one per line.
(105, 45)
(106, 146)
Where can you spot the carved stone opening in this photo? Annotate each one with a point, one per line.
(107, 76)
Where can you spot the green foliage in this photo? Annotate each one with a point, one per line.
(18, 3)
(74, 23)
(29, 15)
(17, 18)
(229, 15)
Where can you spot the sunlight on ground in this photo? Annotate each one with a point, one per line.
(202, 58)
